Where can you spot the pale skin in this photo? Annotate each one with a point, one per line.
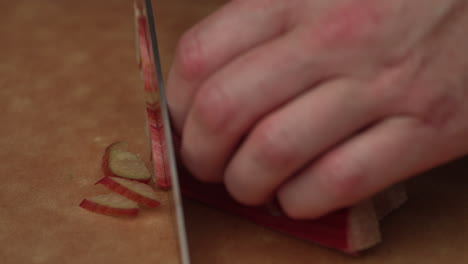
(321, 103)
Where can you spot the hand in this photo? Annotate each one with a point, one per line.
(321, 103)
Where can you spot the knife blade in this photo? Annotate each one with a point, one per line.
(167, 151)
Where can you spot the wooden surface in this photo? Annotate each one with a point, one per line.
(69, 86)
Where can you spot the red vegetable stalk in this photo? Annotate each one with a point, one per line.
(349, 230)
(155, 123)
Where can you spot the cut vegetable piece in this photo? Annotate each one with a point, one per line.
(111, 204)
(389, 200)
(150, 84)
(118, 162)
(349, 230)
(363, 227)
(133, 190)
(160, 156)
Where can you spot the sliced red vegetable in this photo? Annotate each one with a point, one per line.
(133, 190)
(111, 204)
(159, 150)
(119, 162)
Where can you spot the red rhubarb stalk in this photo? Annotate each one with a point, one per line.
(159, 149)
(135, 191)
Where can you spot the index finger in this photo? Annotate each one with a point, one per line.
(232, 30)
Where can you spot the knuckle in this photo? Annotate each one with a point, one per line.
(435, 102)
(342, 179)
(213, 108)
(440, 108)
(190, 59)
(274, 146)
(354, 24)
(397, 82)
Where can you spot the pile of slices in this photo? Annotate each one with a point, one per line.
(127, 176)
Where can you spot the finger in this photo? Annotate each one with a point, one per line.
(288, 139)
(215, 41)
(385, 154)
(233, 99)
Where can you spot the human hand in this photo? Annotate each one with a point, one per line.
(321, 103)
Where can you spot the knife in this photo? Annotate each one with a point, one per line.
(166, 153)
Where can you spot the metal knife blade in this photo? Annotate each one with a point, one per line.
(168, 153)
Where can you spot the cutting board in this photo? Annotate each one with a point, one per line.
(69, 86)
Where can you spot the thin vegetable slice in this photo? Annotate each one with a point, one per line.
(111, 204)
(119, 162)
(133, 190)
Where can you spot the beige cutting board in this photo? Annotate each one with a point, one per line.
(69, 86)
